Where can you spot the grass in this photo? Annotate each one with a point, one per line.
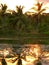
(11, 37)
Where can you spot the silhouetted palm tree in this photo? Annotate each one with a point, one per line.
(3, 8)
(19, 9)
(17, 17)
(38, 10)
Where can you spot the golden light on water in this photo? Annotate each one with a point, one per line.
(6, 52)
(36, 50)
(9, 62)
(30, 59)
(24, 62)
(46, 53)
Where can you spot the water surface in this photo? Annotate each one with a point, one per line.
(30, 51)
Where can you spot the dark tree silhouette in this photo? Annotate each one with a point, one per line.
(38, 10)
(3, 9)
(3, 61)
(19, 9)
(19, 59)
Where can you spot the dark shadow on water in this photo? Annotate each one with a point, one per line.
(3, 61)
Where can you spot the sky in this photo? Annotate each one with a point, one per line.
(45, 1)
(12, 3)
(26, 3)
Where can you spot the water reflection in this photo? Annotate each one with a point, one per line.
(24, 54)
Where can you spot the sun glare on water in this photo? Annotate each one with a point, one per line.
(30, 59)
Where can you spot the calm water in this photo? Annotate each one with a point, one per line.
(29, 52)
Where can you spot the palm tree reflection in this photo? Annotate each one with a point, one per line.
(3, 61)
(19, 58)
(25, 54)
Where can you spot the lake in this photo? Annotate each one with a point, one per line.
(30, 54)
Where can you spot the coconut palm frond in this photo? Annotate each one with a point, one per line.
(39, 8)
(41, 5)
(30, 12)
(4, 7)
(33, 8)
(41, 11)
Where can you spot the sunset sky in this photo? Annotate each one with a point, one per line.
(26, 3)
(45, 1)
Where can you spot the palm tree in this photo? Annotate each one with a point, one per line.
(3, 9)
(19, 9)
(16, 16)
(18, 22)
(38, 10)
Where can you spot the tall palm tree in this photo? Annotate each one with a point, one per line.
(38, 10)
(18, 21)
(3, 9)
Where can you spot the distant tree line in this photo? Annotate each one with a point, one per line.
(37, 22)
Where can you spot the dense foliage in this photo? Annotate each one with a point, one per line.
(19, 27)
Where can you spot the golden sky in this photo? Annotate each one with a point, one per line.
(12, 3)
(26, 3)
